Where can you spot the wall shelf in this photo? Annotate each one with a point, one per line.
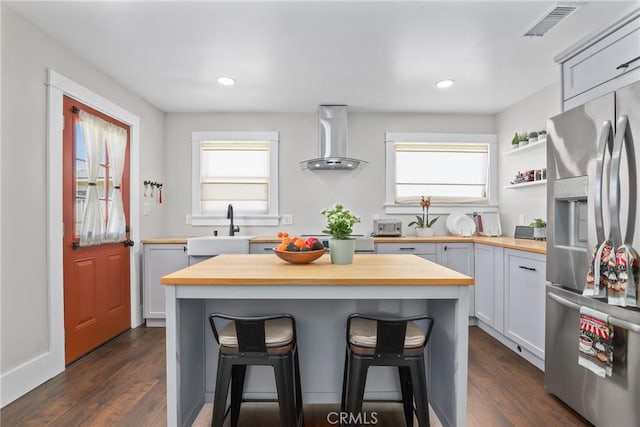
(527, 147)
(527, 184)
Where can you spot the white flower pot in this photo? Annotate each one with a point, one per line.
(341, 251)
(540, 233)
(424, 231)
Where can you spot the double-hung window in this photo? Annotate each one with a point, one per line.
(237, 168)
(453, 169)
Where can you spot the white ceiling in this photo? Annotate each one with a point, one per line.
(294, 55)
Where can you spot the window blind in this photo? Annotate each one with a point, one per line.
(448, 172)
(234, 172)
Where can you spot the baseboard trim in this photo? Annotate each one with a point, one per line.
(26, 377)
(513, 346)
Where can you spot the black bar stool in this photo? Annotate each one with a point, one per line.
(263, 340)
(387, 341)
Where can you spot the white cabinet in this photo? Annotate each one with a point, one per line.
(524, 300)
(424, 250)
(261, 248)
(459, 257)
(603, 63)
(159, 260)
(489, 285)
(456, 256)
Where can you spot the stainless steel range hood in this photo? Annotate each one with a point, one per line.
(333, 141)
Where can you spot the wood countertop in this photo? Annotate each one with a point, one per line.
(527, 245)
(535, 246)
(367, 269)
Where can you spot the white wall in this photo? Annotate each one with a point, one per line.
(528, 115)
(27, 53)
(304, 193)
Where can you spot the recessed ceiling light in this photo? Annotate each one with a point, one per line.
(226, 81)
(444, 83)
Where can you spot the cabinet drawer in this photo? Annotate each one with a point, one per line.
(406, 248)
(261, 248)
(601, 62)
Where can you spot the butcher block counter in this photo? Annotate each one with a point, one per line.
(320, 296)
(535, 246)
(265, 270)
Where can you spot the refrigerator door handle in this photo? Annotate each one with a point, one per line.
(604, 144)
(564, 302)
(613, 320)
(623, 139)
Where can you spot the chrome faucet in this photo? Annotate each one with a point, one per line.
(232, 229)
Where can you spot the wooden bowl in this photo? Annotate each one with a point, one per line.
(304, 257)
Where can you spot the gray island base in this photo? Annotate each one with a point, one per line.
(320, 296)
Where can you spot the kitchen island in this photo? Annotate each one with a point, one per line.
(320, 296)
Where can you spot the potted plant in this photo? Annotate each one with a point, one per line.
(523, 139)
(422, 223)
(539, 229)
(340, 222)
(515, 140)
(533, 137)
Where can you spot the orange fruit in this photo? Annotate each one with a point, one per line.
(280, 234)
(299, 243)
(282, 247)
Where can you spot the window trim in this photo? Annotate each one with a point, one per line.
(273, 217)
(390, 169)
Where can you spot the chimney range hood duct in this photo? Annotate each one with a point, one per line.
(333, 141)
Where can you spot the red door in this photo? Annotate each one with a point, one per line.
(97, 289)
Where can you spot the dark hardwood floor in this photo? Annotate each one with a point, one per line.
(123, 384)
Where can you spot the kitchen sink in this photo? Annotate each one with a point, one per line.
(215, 245)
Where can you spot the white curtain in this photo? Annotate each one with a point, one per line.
(117, 149)
(92, 219)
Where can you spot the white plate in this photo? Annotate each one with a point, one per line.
(465, 226)
(452, 218)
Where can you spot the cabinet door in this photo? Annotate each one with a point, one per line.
(459, 257)
(609, 58)
(160, 260)
(484, 284)
(525, 300)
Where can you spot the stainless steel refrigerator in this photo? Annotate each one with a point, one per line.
(591, 196)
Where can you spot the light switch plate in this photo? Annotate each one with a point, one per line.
(287, 219)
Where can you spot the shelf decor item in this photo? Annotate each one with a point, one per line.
(515, 141)
(422, 223)
(533, 137)
(539, 229)
(523, 139)
(340, 222)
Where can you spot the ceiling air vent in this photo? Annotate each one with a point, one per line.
(550, 19)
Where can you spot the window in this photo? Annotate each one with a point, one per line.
(454, 169)
(238, 168)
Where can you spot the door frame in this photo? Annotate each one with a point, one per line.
(57, 87)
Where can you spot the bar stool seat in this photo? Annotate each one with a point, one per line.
(387, 341)
(277, 333)
(263, 340)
